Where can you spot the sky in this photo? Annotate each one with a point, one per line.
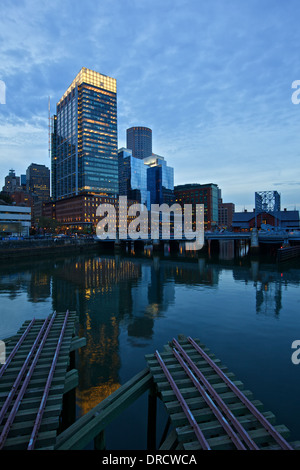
(212, 79)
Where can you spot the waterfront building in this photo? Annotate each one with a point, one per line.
(206, 194)
(133, 177)
(280, 220)
(84, 149)
(139, 140)
(76, 212)
(14, 220)
(225, 212)
(79, 213)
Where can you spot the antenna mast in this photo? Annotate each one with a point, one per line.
(49, 130)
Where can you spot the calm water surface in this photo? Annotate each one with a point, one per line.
(247, 312)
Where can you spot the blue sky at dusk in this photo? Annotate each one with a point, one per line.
(213, 80)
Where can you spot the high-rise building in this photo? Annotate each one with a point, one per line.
(139, 140)
(133, 177)
(160, 180)
(38, 181)
(38, 187)
(12, 182)
(23, 182)
(84, 137)
(267, 201)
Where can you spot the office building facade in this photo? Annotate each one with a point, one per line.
(206, 194)
(139, 140)
(38, 182)
(226, 212)
(267, 201)
(12, 182)
(14, 220)
(160, 180)
(84, 138)
(133, 178)
(79, 213)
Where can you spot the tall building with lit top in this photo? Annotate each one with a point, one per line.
(84, 148)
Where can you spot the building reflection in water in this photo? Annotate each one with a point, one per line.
(113, 294)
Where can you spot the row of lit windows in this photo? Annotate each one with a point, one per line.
(93, 78)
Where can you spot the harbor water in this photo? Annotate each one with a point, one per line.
(245, 310)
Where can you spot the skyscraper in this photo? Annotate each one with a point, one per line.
(84, 137)
(160, 180)
(139, 140)
(133, 177)
(12, 182)
(267, 201)
(38, 181)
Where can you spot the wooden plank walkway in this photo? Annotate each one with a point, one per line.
(34, 379)
(207, 405)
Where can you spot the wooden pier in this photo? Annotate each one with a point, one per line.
(35, 380)
(288, 252)
(206, 405)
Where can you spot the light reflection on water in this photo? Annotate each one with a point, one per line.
(247, 312)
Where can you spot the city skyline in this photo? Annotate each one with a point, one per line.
(213, 82)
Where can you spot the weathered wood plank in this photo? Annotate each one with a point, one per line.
(62, 381)
(260, 436)
(212, 428)
(88, 432)
(84, 420)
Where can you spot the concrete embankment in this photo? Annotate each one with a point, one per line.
(17, 249)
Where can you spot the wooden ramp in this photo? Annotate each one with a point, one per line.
(34, 379)
(207, 408)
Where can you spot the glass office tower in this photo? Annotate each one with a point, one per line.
(160, 180)
(133, 178)
(84, 144)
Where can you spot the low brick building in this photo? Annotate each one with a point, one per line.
(285, 220)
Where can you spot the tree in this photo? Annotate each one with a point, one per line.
(48, 224)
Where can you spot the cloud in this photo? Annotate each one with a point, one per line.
(212, 80)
